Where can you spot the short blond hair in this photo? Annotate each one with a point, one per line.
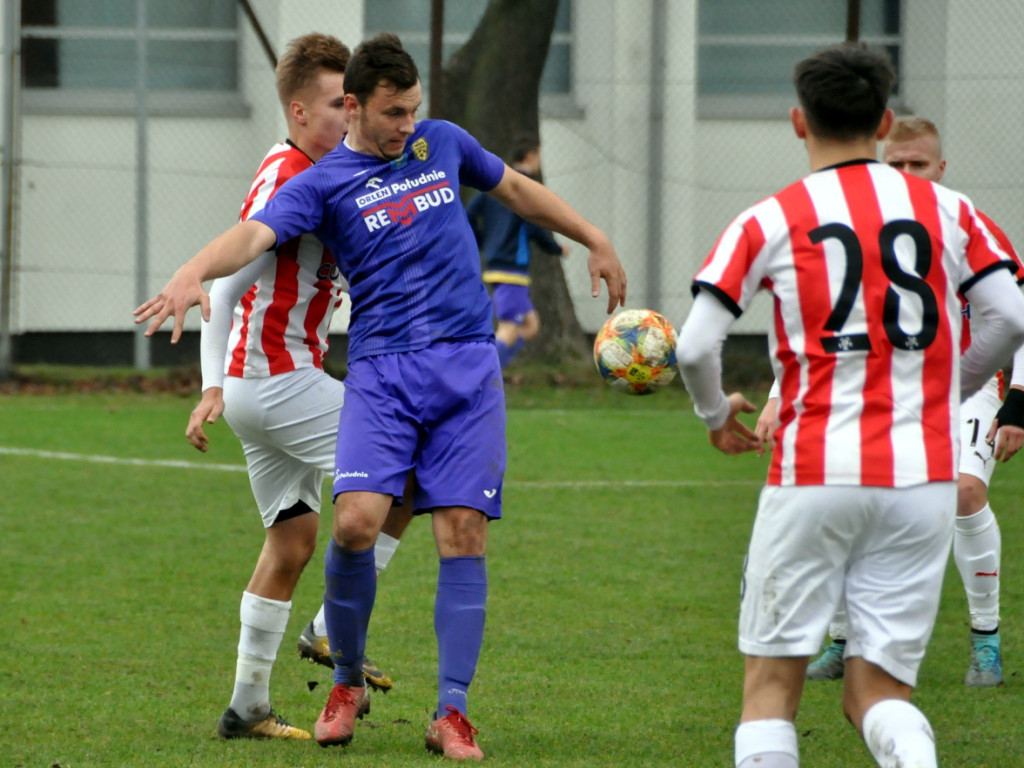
(910, 128)
(303, 57)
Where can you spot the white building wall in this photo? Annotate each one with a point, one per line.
(962, 67)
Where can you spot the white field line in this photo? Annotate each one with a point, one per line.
(179, 464)
(92, 458)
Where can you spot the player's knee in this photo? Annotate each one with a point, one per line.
(971, 495)
(506, 333)
(461, 532)
(530, 327)
(354, 528)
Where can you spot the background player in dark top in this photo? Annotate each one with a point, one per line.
(505, 240)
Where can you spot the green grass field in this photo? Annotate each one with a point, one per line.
(614, 584)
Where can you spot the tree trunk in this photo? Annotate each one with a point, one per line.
(491, 88)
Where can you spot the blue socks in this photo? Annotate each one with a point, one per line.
(505, 352)
(350, 587)
(459, 611)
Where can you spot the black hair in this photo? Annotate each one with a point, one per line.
(844, 91)
(522, 145)
(380, 61)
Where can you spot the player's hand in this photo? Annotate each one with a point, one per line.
(767, 423)
(182, 292)
(207, 411)
(603, 264)
(1006, 434)
(734, 436)
(1008, 440)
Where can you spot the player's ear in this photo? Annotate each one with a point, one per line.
(297, 112)
(796, 117)
(886, 125)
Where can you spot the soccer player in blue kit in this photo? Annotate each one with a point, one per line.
(424, 388)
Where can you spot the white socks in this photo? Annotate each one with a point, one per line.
(976, 550)
(263, 625)
(766, 744)
(320, 623)
(899, 735)
(896, 732)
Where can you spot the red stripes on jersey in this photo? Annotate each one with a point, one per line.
(811, 275)
(876, 419)
(286, 296)
(282, 321)
(864, 263)
(939, 367)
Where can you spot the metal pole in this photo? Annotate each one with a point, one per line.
(436, 50)
(12, 68)
(852, 21)
(655, 156)
(142, 361)
(260, 33)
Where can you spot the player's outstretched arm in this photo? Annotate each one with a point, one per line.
(224, 255)
(539, 205)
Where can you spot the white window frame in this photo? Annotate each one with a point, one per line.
(121, 101)
(757, 106)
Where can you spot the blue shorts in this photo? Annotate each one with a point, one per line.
(511, 302)
(439, 411)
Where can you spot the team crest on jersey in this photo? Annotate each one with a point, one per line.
(420, 149)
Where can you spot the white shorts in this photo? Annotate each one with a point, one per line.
(976, 415)
(885, 549)
(288, 426)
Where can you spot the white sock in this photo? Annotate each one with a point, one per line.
(766, 744)
(899, 735)
(320, 623)
(263, 625)
(383, 551)
(976, 551)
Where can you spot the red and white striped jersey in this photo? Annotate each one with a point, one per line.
(865, 264)
(997, 385)
(282, 321)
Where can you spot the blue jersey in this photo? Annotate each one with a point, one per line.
(400, 236)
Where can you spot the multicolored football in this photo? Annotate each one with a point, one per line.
(635, 351)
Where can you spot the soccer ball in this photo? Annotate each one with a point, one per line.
(635, 351)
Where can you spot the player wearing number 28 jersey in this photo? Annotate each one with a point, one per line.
(865, 395)
(865, 265)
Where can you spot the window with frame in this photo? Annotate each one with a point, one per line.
(410, 20)
(747, 48)
(83, 56)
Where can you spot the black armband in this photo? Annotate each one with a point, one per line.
(1012, 411)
